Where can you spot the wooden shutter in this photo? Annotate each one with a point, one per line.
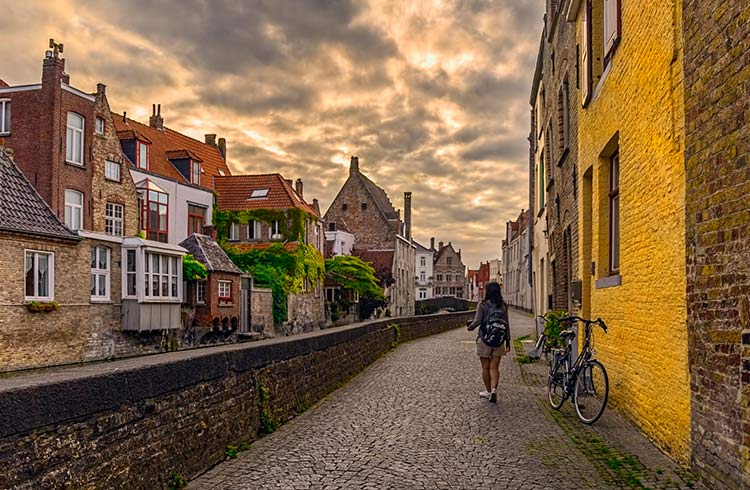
(611, 25)
(586, 54)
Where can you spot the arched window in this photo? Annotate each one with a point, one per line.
(73, 209)
(74, 139)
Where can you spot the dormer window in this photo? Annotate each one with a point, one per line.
(142, 155)
(195, 172)
(259, 194)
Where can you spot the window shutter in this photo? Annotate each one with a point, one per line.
(611, 25)
(586, 54)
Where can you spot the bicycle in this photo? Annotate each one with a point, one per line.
(541, 347)
(585, 381)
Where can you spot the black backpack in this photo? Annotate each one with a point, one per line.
(494, 331)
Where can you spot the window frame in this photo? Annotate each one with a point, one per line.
(193, 218)
(74, 207)
(195, 172)
(50, 275)
(254, 227)
(138, 162)
(614, 216)
(109, 164)
(200, 292)
(586, 54)
(224, 298)
(157, 232)
(611, 12)
(111, 220)
(234, 236)
(274, 230)
(130, 269)
(6, 107)
(169, 278)
(73, 135)
(99, 125)
(97, 273)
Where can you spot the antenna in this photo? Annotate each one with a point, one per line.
(56, 47)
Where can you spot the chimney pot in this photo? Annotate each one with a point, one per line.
(354, 165)
(290, 182)
(156, 121)
(432, 243)
(223, 148)
(210, 139)
(298, 186)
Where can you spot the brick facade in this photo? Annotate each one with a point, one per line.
(717, 150)
(635, 116)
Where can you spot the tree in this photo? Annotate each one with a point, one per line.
(353, 273)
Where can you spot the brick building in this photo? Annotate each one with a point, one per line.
(482, 278)
(515, 247)
(632, 208)
(364, 210)
(554, 146)
(275, 212)
(449, 271)
(717, 219)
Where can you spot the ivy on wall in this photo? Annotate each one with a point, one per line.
(292, 221)
(192, 270)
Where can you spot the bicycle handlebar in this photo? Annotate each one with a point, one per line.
(598, 321)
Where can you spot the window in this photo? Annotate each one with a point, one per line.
(196, 219)
(73, 209)
(541, 177)
(4, 116)
(586, 65)
(156, 216)
(422, 261)
(274, 231)
(614, 213)
(563, 119)
(130, 274)
(100, 273)
(331, 226)
(142, 155)
(452, 291)
(161, 274)
(234, 231)
(449, 260)
(225, 290)
(259, 193)
(364, 206)
(439, 277)
(459, 277)
(422, 277)
(253, 230)
(74, 139)
(112, 170)
(611, 35)
(99, 126)
(113, 219)
(200, 292)
(344, 207)
(40, 267)
(422, 293)
(195, 172)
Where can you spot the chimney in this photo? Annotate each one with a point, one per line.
(299, 187)
(156, 121)
(290, 182)
(354, 165)
(432, 243)
(440, 245)
(223, 148)
(210, 139)
(53, 69)
(316, 206)
(407, 215)
(101, 89)
(210, 230)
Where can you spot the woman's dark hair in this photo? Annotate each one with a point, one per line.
(492, 293)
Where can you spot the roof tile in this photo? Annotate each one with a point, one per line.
(234, 193)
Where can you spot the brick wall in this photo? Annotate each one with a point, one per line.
(645, 351)
(717, 149)
(177, 411)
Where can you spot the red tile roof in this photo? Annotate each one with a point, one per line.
(234, 193)
(166, 143)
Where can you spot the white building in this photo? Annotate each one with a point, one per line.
(340, 242)
(423, 279)
(496, 271)
(516, 286)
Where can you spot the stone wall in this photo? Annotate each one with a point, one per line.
(132, 423)
(717, 149)
(305, 312)
(261, 311)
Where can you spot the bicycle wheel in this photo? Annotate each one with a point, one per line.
(555, 382)
(591, 392)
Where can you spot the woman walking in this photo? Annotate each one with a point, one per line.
(488, 355)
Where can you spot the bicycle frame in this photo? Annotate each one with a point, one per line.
(571, 372)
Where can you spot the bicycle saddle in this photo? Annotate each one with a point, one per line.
(567, 333)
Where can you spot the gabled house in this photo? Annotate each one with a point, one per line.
(449, 271)
(425, 258)
(364, 210)
(516, 284)
(261, 210)
(173, 174)
(220, 300)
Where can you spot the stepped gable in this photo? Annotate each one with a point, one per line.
(22, 209)
(209, 253)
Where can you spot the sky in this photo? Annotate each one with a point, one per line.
(433, 96)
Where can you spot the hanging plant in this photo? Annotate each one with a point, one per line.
(192, 270)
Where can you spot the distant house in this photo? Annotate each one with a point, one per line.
(516, 284)
(449, 271)
(274, 213)
(472, 288)
(221, 302)
(482, 278)
(424, 270)
(173, 174)
(364, 210)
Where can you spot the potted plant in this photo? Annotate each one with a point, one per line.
(42, 306)
(553, 326)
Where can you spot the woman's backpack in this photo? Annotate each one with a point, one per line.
(494, 331)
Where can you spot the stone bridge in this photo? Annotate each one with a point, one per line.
(412, 419)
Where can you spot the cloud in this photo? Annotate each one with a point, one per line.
(432, 95)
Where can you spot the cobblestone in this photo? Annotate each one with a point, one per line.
(414, 420)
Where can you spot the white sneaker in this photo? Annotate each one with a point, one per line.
(493, 397)
(484, 394)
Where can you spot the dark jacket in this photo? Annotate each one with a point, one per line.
(483, 313)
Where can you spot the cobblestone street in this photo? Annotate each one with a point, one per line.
(414, 420)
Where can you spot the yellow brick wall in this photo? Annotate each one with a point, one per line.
(641, 99)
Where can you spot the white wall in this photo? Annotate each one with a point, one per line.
(343, 242)
(427, 270)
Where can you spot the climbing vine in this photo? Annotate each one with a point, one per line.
(192, 270)
(292, 221)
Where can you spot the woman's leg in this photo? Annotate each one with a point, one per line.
(486, 372)
(494, 371)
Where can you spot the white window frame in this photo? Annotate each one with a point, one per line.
(109, 170)
(274, 230)
(97, 273)
(139, 156)
(224, 285)
(195, 172)
(50, 275)
(5, 105)
(74, 140)
(114, 221)
(422, 276)
(200, 292)
(254, 227)
(169, 277)
(422, 261)
(99, 125)
(130, 256)
(234, 232)
(71, 208)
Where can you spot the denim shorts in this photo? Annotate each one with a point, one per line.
(484, 350)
